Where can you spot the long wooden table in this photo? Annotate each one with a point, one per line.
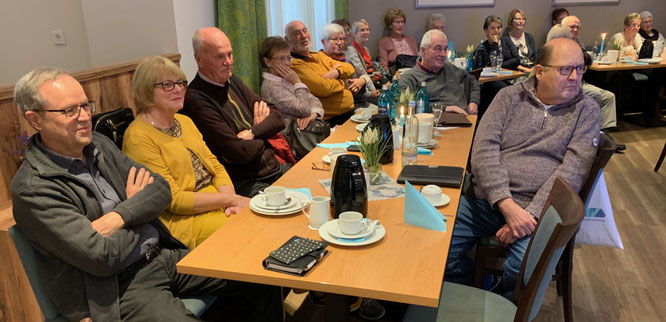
(503, 76)
(406, 266)
(624, 66)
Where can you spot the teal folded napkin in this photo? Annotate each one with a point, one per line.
(304, 191)
(505, 72)
(636, 62)
(348, 240)
(335, 145)
(419, 212)
(423, 151)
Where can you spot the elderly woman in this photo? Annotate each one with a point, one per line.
(170, 144)
(347, 26)
(333, 36)
(492, 27)
(358, 55)
(522, 51)
(396, 43)
(647, 33)
(437, 21)
(283, 88)
(629, 42)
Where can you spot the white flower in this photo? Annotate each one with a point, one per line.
(370, 136)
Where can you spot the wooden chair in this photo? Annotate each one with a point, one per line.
(563, 212)
(197, 305)
(661, 159)
(490, 255)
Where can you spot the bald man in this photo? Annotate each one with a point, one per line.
(533, 132)
(234, 121)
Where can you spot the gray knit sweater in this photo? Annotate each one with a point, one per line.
(520, 147)
(451, 86)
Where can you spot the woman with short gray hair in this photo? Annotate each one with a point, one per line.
(648, 33)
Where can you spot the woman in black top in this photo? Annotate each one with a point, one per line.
(520, 50)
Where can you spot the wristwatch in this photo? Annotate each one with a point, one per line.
(339, 73)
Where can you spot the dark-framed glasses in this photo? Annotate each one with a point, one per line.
(74, 111)
(169, 85)
(567, 70)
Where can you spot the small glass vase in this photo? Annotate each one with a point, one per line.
(375, 172)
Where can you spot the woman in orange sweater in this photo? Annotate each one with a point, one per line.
(170, 144)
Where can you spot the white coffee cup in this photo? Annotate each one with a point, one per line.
(319, 211)
(425, 127)
(351, 222)
(366, 113)
(432, 193)
(275, 196)
(612, 56)
(334, 154)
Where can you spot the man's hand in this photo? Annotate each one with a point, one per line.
(108, 224)
(455, 109)
(287, 73)
(504, 236)
(519, 221)
(245, 135)
(305, 121)
(375, 94)
(355, 85)
(261, 111)
(136, 184)
(473, 108)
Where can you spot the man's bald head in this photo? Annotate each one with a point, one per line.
(297, 36)
(559, 70)
(212, 51)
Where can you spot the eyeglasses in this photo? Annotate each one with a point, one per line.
(567, 70)
(75, 110)
(283, 59)
(574, 27)
(337, 39)
(168, 85)
(520, 19)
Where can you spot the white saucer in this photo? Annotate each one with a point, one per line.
(361, 126)
(377, 235)
(326, 159)
(337, 233)
(430, 144)
(443, 201)
(301, 201)
(262, 204)
(489, 74)
(650, 60)
(600, 62)
(359, 119)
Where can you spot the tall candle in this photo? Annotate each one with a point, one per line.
(603, 39)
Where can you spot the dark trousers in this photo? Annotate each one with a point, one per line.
(151, 293)
(339, 119)
(251, 188)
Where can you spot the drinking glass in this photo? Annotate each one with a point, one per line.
(498, 62)
(436, 109)
(493, 60)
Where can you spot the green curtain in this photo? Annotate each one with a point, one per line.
(244, 22)
(341, 9)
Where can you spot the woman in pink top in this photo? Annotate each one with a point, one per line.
(396, 43)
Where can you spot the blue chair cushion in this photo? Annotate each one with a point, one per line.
(464, 303)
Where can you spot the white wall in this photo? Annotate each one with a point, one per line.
(121, 30)
(25, 34)
(190, 16)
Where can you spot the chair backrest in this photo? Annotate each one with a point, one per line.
(563, 212)
(27, 255)
(604, 153)
(113, 124)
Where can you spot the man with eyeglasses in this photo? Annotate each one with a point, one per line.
(92, 215)
(455, 88)
(533, 132)
(605, 99)
(235, 122)
(325, 77)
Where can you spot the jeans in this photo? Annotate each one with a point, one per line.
(477, 219)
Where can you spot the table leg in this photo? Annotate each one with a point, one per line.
(337, 307)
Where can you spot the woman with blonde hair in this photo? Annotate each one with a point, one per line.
(629, 42)
(522, 51)
(396, 43)
(169, 144)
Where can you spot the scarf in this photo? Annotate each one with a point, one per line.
(364, 54)
(655, 34)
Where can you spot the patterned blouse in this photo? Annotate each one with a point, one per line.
(402, 47)
(203, 177)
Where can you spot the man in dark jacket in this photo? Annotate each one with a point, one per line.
(91, 213)
(234, 121)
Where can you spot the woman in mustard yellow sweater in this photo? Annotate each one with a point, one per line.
(170, 144)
